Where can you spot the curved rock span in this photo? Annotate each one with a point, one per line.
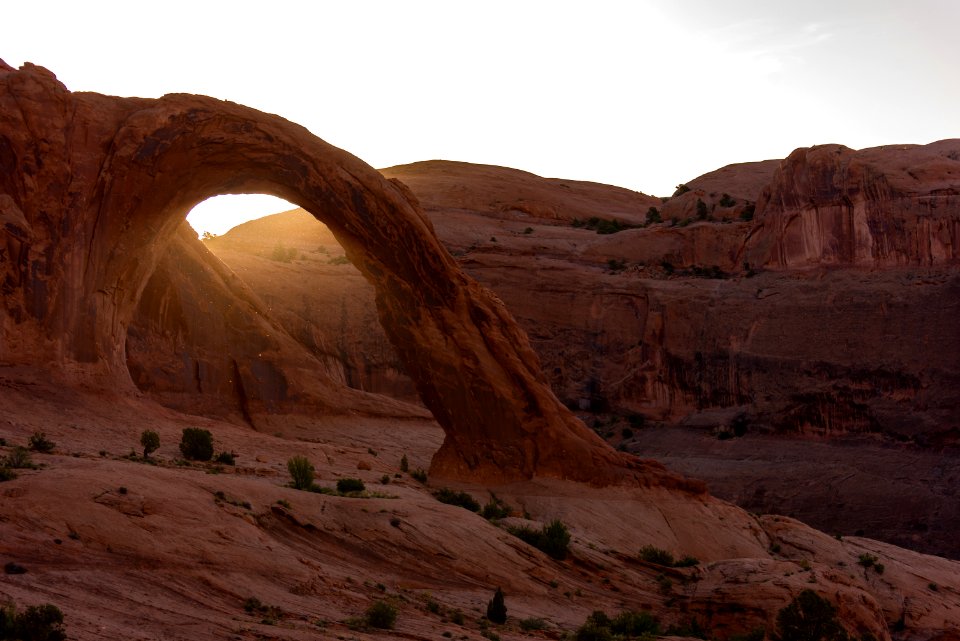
(92, 189)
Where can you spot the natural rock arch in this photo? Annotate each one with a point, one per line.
(92, 188)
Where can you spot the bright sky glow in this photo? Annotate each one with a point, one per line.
(642, 94)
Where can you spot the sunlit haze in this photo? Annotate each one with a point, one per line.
(643, 95)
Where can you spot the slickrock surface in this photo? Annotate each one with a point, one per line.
(173, 550)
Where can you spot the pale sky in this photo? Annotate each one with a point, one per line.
(641, 94)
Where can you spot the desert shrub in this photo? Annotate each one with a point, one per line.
(338, 260)
(227, 458)
(727, 201)
(531, 624)
(747, 213)
(528, 230)
(701, 210)
(656, 555)
(150, 441)
(301, 472)
(283, 254)
(6, 474)
(269, 614)
(553, 539)
(38, 442)
(36, 623)
(461, 499)
(867, 560)
(681, 189)
(196, 444)
(19, 459)
(496, 608)
(809, 617)
(419, 474)
(385, 479)
(345, 486)
(664, 584)
(653, 216)
(634, 624)
(381, 615)
(404, 464)
(495, 509)
(686, 562)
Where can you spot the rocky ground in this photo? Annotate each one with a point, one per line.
(174, 550)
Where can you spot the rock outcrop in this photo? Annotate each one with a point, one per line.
(93, 189)
(890, 206)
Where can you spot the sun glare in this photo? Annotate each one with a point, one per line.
(220, 214)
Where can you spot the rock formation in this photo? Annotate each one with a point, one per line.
(679, 332)
(93, 189)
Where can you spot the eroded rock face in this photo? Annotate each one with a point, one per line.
(93, 189)
(886, 206)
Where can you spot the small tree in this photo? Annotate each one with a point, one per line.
(404, 464)
(301, 471)
(653, 216)
(150, 441)
(196, 444)
(496, 608)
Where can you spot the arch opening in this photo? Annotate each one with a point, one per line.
(191, 336)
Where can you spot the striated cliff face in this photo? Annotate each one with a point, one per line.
(883, 207)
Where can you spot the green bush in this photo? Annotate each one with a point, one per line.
(346, 486)
(6, 474)
(461, 499)
(656, 555)
(36, 623)
(495, 509)
(701, 210)
(150, 441)
(419, 474)
(727, 201)
(747, 213)
(301, 472)
(553, 539)
(404, 464)
(496, 608)
(38, 442)
(196, 444)
(381, 615)
(19, 459)
(681, 189)
(653, 216)
(809, 617)
(529, 625)
(226, 458)
(634, 624)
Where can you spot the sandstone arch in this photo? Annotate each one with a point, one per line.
(92, 187)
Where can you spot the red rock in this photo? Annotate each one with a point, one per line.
(103, 184)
